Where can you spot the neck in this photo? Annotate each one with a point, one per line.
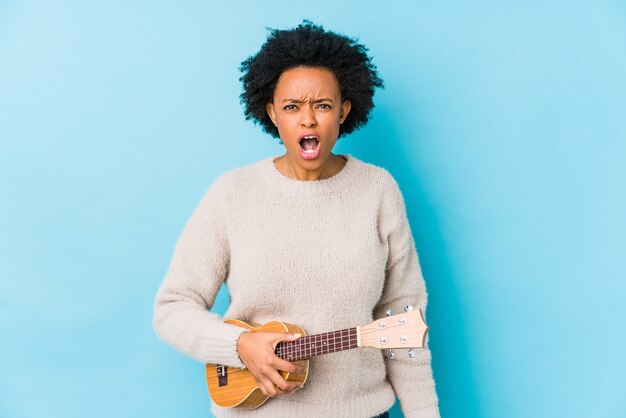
(314, 345)
(290, 168)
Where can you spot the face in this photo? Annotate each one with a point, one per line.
(307, 102)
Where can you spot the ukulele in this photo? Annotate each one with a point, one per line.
(231, 387)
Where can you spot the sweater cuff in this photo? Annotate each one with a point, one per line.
(428, 412)
(220, 345)
(243, 366)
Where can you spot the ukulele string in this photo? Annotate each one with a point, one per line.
(299, 348)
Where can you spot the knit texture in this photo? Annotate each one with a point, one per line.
(326, 255)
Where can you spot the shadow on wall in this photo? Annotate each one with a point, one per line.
(451, 359)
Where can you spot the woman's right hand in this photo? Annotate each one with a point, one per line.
(256, 350)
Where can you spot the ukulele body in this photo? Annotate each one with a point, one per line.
(235, 387)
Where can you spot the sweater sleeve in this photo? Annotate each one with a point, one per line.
(196, 271)
(411, 378)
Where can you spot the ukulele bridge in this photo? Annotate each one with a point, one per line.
(222, 377)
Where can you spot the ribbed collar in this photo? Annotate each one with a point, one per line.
(282, 183)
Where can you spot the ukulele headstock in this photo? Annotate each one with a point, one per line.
(404, 330)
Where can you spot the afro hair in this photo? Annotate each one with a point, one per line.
(309, 45)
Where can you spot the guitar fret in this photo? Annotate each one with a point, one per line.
(304, 342)
(318, 341)
(319, 344)
(290, 350)
(327, 346)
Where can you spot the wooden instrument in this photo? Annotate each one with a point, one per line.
(231, 387)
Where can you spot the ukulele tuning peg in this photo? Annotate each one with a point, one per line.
(412, 353)
(391, 354)
(388, 312)
(408, 308)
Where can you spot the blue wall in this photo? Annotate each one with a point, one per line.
(502, 121)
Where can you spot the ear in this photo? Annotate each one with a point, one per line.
(269, 108)
(345, 109)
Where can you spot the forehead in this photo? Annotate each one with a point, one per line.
(307, 81)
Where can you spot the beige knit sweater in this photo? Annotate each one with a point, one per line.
(327, 255)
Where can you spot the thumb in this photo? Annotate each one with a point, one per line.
(285, 336)
(291, 337)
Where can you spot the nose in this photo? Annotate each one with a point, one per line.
(308, 117)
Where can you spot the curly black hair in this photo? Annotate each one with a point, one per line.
(309, 45)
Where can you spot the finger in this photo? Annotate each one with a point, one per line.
(264, 384)
(287, 336)
(267, 387)
(286, 366)
(278, 380)
(275, 391)
(289, 387)
(284, 336)
(293, 386)
(295, 336)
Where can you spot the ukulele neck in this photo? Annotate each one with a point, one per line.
(315, 345)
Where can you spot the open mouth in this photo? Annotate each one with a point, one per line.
(309, 144)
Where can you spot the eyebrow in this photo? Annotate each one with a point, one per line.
(323, 99)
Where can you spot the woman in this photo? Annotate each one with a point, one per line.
(309, 237)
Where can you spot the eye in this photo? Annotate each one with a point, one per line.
(327, 106)
(289, 107)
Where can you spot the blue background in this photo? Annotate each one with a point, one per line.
(502, 122)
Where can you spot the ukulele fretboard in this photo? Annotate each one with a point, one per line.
(314, 345)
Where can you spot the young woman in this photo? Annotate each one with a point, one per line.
(311, 238)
